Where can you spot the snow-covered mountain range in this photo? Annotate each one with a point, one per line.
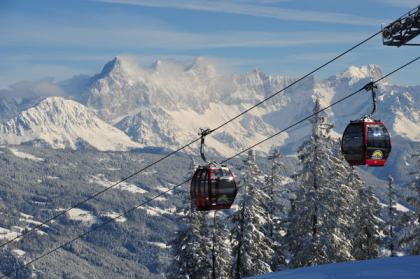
(165, 105)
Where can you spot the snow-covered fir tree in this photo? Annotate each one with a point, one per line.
(321, 217)
(366, 239)
(192, 246)
(390, 226)
(192, 249)
(277, 191)
(221, 254)
(410, 233)
(251, 245)
(277, 206)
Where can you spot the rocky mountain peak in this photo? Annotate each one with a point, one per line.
(354, 74)
(111, 66)
(120, 68)
(203, 66)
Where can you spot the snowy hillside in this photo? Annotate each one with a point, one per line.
(39, 182)
(388, 268)
(62, 123)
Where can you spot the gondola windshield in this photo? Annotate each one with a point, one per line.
(378, 142)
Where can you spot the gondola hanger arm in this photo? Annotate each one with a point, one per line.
(203, 133)
(371, 86)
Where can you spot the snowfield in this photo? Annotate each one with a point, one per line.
(159, 244)
(388, 268)
(24, 155)
(6, 234)
(398, 206)
(80, 215)
(156, 211)
(124, 186)
(18, 252)
(114, 215)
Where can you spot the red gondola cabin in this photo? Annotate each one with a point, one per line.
(366, 142)
(213, 187)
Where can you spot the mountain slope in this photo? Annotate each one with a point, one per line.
(62, 123)
(388, 268)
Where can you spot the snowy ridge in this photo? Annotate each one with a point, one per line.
(62, 123)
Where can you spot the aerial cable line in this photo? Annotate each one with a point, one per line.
(228, 159)
(188, 144)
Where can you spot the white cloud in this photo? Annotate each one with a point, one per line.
(400, 3)
(104, 42)
(313, 56)
(252, 10)
(40, 88)
(11, 72)
(41, 34)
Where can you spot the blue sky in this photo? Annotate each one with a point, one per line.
(58, 39)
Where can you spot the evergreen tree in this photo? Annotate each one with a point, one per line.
(367, 227)
(321, 217)
(277, 206)
(192, 248)
(251, 245)
(221, 253)
(192, 245)
(410, 234)
(277, 190)
(391, 221)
